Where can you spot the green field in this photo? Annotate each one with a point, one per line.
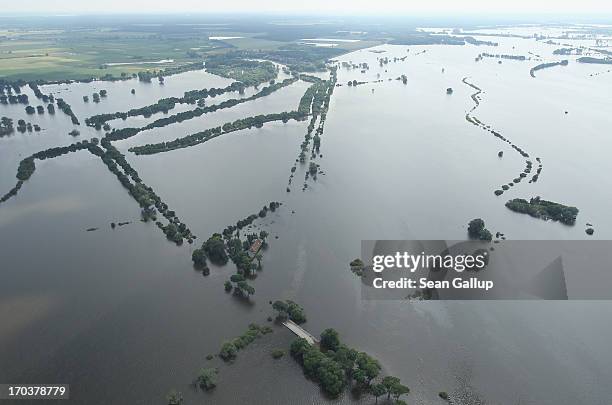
(60, 55)
(77, 51)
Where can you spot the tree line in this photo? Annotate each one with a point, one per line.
(163, 105)
(126, 133)
(200, 137)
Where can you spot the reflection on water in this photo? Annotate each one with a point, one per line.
(122, 316)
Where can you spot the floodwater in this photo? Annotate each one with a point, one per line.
(122, 316)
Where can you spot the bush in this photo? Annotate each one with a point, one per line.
(207, 378)
(277, 353)
(228, 351)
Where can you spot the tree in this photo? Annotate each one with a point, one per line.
(198, 257)
(298, 348)
(281, 308)
(361, 377)
(228, 286)
(312, 359)
(248, 289)
(398, 390)
(207, 378)
(228, 351)
(368, 365)
(174, 398)
(258, 257)
(331, 376)
(330, 339)
(378, 390)
(475, 226)
(346, 356)
(389, 382)
(295, 312)
(215, 249)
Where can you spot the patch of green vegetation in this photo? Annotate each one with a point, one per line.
(477, 230)
(541, 66)
(357, 266)
(248, 72)
(277, 353)
(299, 58)
(538, 208)
(289, 309)
(229, 349)
(207, 378)
(333, 365)
(98, 51)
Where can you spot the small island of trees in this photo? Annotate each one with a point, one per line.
(477, 230)
(333, 365)
(538, 208)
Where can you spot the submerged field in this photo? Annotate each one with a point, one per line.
(397, 158)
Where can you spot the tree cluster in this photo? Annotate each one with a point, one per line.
(333, 364)
(538, 208)
(477, 230)
(289, 310)
(248, 72)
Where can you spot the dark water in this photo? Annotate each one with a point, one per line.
(122, 316)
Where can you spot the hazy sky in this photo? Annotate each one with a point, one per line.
(312, 6)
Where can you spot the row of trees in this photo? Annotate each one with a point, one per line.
(65, 107)
(126, 133)
(229, 349)
(165, 104)
(39, 109)
(541, 66)
(27, 166)
(200, 137)
(147, 75)
(12, 99)
(149, 201)
(39, 94)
